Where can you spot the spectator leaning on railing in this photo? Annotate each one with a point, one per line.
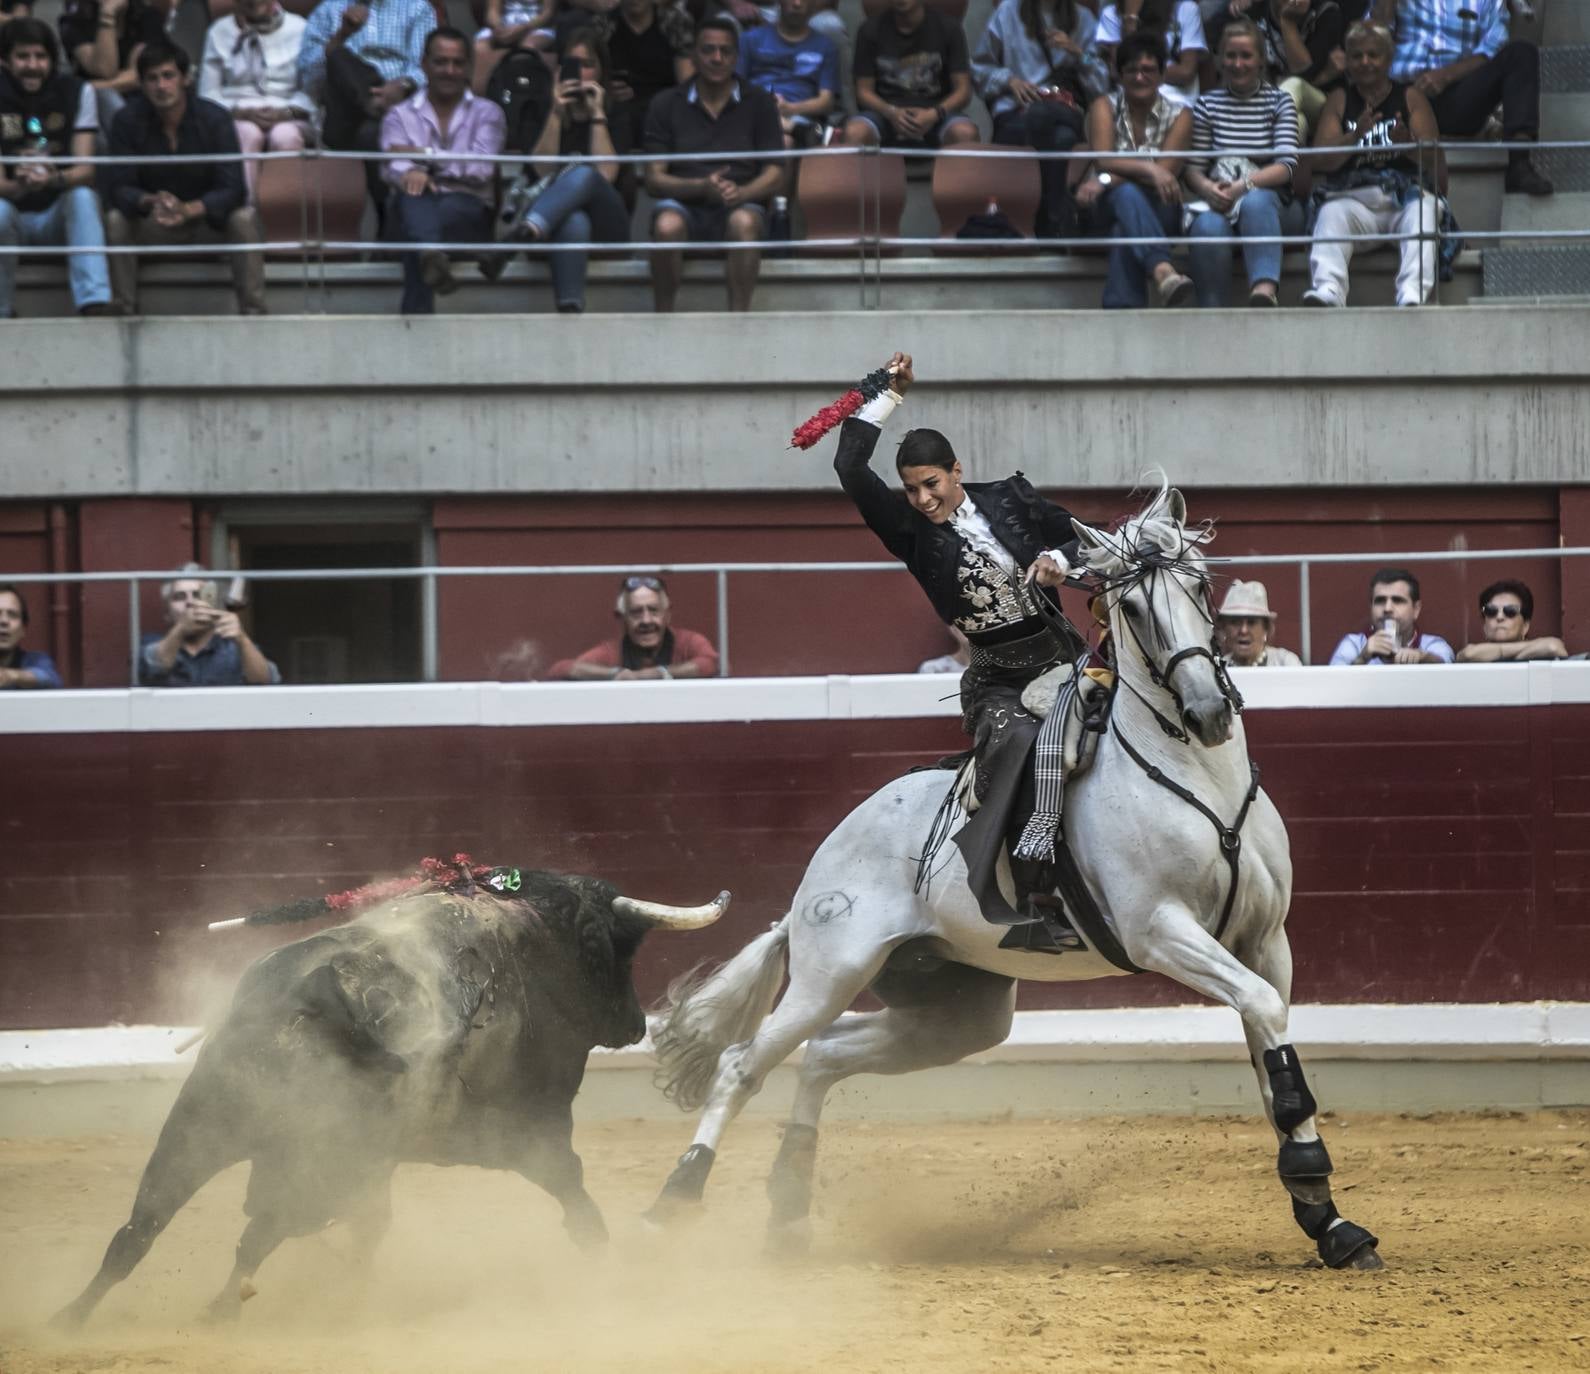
(649, 646)
(1378, 189)
(1138, 197)
(154, 199)
(21, 669)
(1394, 635)
(1240, 190)
(250, 66)
(1458, 55)
(104, 38)
(1507, 607)
(204, 645)
(1038, 70)
(712, 201)
(442, 192)
(913, 80)
(46, 115)
(359, 61)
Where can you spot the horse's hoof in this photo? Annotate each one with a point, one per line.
(1366, 1258)
(1346, 1246)
(69, 1319)
(790, 1240)
(224, 1311)
(670, 1213)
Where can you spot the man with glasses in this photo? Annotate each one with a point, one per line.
(1507, 607)
(1394, 635)
(649, 648)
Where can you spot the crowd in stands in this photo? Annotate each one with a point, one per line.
(206, 643)
(1204, 83)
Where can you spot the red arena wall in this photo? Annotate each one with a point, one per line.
(1441, 852)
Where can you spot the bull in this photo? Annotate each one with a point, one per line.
(445, 1027)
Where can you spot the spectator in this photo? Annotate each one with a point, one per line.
(582, 205)
(205, 646)
(1394, 635)
(795, 64)
(1135, 197)
(1305, 40)
(1250, 197)
(704, 200)
(360, 58)
(45, 115)
(21, 669)
(1378, 190)
(250, 66)
(510, 25)
(16, 9)
(649, 647)
(441, 195)
(1507, 608)
(1456, 54)
(159, 201)
(1183, 29)
(104, 38)
(651, 46)
(955, 661)
(1242, 629)
(1037, 70)
(913, 80)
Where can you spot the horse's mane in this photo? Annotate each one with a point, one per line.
(1151, 524)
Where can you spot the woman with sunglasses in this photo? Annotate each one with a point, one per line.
(989, 556)
(582, 203)
(1506, 608)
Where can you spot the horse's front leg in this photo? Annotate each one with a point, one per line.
(1173, 943)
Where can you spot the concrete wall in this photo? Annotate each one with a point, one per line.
(706, 403)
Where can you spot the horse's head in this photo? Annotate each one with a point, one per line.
(1156, 590)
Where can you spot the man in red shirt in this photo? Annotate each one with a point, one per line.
(649, 646)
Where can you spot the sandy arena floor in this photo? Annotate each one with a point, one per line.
(1142, 1244)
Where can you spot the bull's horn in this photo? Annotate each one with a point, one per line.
(674, 917)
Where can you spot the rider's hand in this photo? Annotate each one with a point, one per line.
(1049, 569)
(900, 367)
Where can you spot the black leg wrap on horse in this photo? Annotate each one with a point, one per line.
(789, 1186)
(689, 1178)
(1293, 1102)
(1303, 1159)
(1336, 1243)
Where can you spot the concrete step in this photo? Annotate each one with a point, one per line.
(1560, 23)
(1540, 270)
(1565, 68)
(1568, 210)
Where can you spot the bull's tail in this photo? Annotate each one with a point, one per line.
(710, 1008)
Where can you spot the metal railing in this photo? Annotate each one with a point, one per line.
(429, 576)
(870, 244)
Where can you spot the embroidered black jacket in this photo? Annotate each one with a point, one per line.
(966, 590)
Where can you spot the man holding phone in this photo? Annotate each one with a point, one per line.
(203, 646)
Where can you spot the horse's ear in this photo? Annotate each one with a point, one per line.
(1175, 507)
(1087, 536)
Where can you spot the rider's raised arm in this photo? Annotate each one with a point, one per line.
(886, 511)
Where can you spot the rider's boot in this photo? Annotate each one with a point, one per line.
(1044, 928)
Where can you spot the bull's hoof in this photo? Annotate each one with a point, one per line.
(669, 1212)
(224, 1311)
(71, 1317)
(585, 1226)
(790, 1240)
(1346, 1246)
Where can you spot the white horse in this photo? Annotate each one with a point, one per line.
(1186, 858)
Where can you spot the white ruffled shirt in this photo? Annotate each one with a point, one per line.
(259, 72)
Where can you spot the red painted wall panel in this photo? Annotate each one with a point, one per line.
(1439, 855)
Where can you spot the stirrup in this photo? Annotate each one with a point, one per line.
(1047, 933)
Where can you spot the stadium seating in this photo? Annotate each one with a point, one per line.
(336, 186)
(847, 197)
(967, 186)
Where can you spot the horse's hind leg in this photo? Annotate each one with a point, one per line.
(930, 1019)
(816, 996)
(1304, 1165)
(1173, 943)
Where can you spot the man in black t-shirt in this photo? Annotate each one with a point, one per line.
(712, 201)
(103, 39)
(649, 46)
(913, 80)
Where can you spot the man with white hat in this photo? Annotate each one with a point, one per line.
(1243, 628)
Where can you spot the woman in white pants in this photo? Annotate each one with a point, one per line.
(1379, 187)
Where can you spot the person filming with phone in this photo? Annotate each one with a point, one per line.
(577, 202)
(204, 645)
(1394, 635)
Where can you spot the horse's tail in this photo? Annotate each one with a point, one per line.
(710, 1008)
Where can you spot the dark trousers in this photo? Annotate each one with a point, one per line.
(1127, 211)
(1512, 78)
(448, 217)
(349, 126)
(1048, 126)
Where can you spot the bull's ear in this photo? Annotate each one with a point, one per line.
(1087, 536)
(1175, 507)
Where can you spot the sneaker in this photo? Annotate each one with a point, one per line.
(1523, 179)
(437, 273)
(1263, 299)
(1174, 290)
(1315, 297)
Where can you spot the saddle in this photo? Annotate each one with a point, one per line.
(1083, 727)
